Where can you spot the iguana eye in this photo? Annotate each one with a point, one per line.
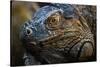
(28, 31)
(53, 21)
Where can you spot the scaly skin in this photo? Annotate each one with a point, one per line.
(72, 40)
(52, 37)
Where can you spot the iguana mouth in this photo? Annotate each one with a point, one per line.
(48, 40)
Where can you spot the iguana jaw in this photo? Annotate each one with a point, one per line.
(50, 39)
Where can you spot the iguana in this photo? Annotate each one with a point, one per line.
(57, 33)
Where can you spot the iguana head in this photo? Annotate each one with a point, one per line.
(45, 19)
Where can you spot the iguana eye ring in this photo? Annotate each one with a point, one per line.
(28, 31)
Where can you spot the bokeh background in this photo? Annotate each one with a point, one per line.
(22, 11)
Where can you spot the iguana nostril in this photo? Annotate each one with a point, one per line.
(28, 31)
